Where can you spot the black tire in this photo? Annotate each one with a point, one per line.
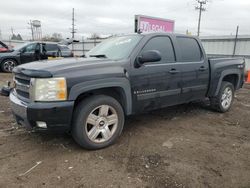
(82, 112)
(216, 102)
(7, 65)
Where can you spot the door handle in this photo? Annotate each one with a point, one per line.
(202, 68)
(173, 71)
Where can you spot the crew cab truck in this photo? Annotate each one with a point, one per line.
(123, 75)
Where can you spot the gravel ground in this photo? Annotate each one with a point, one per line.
(182, 146)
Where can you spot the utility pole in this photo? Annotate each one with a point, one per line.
(12, 31)
(73, 31)
(73, 24)
(201, 9)
(235, 40)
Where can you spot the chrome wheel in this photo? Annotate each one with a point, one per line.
(226, 98)
(101, 124)
(8, 65)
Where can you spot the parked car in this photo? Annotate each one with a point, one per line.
(3, 47)
(52, 49)
(124, 75)
(29, 52)
(65, 51)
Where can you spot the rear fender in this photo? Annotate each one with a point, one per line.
(225, 73)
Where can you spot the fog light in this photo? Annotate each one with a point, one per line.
(41, 124)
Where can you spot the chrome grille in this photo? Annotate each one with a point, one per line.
(22, 85)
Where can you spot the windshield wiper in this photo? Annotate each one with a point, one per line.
(98, 56)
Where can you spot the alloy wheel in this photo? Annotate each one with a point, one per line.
(8, 65)
(101, 124)
(226, 98)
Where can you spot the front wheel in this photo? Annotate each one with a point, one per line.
(98, 121)
(8, 65)
(223, 101)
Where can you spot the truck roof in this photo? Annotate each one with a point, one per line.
(163, 33)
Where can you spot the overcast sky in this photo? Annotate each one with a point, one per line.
(117, 16)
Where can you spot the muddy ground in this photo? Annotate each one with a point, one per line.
(182, 146)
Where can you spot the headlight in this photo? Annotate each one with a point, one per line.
(48, 89)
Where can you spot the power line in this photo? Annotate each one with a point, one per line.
(201, 9)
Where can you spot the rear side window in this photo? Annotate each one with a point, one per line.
(51, 47)
(164, 46)
(190, 49)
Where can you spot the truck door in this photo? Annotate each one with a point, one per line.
(156, 84)
(28, 53)
(194, 69)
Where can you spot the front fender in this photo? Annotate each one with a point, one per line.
(17, 59)
(122, 83)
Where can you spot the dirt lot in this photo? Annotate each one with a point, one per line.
(182, 146)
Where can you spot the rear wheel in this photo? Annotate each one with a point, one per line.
(8, 65)
(98, 122)
(223, 101)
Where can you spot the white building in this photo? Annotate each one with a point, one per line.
(228, 46)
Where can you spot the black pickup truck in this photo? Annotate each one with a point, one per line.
(123, 75)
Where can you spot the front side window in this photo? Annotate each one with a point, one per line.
(116, 47)
(190, 49)
(164, 46)
(30, 48)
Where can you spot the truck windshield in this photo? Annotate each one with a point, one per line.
(115, 48)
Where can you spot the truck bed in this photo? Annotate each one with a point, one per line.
(219, 66)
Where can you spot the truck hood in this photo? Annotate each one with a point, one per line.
(62, 67)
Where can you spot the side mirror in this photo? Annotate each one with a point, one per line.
(148, 56)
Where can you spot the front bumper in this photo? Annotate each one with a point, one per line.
(56, 115)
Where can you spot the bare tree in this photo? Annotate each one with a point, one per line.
(55, 37)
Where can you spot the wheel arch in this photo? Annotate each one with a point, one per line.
(11, 58)
(8, 58)
(118, 88)
(232, 76)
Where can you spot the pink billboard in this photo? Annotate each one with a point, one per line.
(147, 24)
